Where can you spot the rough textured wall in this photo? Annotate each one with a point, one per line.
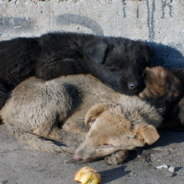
(159, 22)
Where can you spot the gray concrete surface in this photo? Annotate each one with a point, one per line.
(20, 164)
(160, 23)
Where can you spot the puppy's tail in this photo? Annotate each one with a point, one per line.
(40, 143)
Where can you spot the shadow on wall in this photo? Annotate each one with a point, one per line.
(15, 24)
(67, 19)
(166, 56)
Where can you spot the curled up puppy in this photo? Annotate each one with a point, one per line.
(164, 90)
(55, 110)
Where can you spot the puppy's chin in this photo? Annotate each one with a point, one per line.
(128, 92)
(82, 161)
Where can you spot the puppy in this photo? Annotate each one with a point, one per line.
(56, 110)
(175, 119)
(163, 91)
(117, 62)
(117, 128)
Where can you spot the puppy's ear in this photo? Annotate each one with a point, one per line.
(148, 133)
(147, 52)
(145, 72)
(179, 73)
(95, 111)
(96, 51)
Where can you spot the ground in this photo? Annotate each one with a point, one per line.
(21, 164)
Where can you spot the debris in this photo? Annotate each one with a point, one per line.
(162, 166)
(87, 175)
(171, 169)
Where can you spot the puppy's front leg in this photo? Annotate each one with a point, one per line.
(117, 157)
(75, 123)
(58, 134)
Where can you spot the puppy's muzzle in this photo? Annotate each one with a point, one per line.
(133, 85)
(161, 110)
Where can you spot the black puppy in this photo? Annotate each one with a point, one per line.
(117, 62)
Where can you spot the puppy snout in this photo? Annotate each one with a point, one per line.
(161, 110)
(133, 85)
(77, 157)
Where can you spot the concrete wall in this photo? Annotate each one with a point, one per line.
(159, 22)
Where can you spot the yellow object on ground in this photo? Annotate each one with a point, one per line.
(87, 175)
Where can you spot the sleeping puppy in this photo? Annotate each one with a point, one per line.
(39, 111)
(118, 62)
(163, 91)
(117, 128)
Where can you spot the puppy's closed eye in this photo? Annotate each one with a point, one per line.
(106, 145)
(116, 67)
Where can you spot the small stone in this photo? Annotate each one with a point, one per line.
(171, 169)
(131, 173)
(162, 166)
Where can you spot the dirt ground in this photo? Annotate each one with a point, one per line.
(20, 164)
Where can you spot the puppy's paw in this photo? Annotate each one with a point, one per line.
(117, 158)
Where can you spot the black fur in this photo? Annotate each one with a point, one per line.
(116, 61)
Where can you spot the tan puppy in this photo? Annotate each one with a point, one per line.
(163, 90)
(116, 129)
(56, 110)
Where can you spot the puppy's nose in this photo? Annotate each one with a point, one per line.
(161, 110)
(77, 157)
(132, 85)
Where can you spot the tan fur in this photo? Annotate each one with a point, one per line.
(114, 129)
(56, 109)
